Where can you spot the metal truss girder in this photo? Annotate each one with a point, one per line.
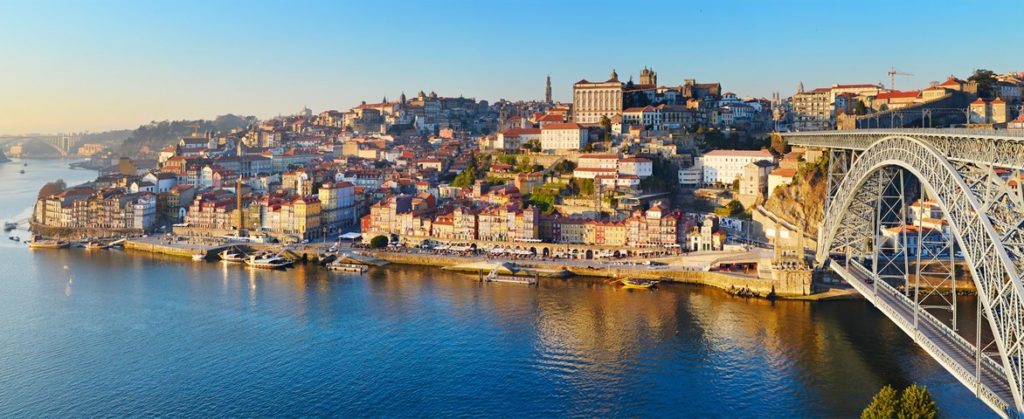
(967, 208)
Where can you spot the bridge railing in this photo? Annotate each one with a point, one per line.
(971, 132)
(960, 341)
(965, 376)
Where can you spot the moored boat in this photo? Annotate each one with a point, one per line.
(347, 267)
(268, 262)
(95, 246)
(232, 256)
(633, 283)
(198, 256)
(8, 226)
(47, 244)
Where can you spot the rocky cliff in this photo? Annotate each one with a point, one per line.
(802, 202)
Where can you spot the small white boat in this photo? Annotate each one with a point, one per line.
(198, 256)
(94, 246)
(347, 267)
(268, 262)
(232, 256)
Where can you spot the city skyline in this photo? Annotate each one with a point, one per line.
(116, 65)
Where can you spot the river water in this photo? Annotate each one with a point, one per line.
(113, 334)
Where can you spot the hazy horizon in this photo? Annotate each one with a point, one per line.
(107, 65)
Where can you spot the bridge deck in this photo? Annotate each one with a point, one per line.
(952, 351)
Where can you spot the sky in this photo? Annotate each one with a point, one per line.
(96, 65)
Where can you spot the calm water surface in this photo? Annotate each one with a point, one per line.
(114, 333)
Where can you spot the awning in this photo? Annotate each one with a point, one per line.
(350, 236)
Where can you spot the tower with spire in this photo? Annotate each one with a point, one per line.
(547, 90)
(648, 76)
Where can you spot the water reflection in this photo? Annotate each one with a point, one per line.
(406, 340)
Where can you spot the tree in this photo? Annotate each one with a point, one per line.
(524, 165)
(986, 80)
(51, 188)
(733, 209)
(884, 405)
(778, 144)
(605, 123)
(465, 179)
(913, 403)
(917, 403)
(859, 108)
(585, 186)
(378, 242)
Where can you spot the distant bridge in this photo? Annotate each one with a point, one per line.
(975, 178)
(63, 143)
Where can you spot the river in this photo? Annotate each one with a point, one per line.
(125, 334)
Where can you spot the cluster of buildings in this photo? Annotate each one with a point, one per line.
(114, 209)
(414, 219)
(658, 107)
(826, 107)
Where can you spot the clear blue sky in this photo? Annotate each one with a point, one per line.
(94, 65)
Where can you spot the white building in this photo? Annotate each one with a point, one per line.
(647, 116)
(566, 136)
(598, 161)
(692, 176)
(593, 100)
(779, 177)
(636, 166)
(513, 138)
(725, 166)
(590, 166)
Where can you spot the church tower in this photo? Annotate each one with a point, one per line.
(648, 76)
(547, 91)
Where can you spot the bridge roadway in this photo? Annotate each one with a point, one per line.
(952, 351)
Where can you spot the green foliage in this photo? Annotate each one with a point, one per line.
(493, 181)
(542, 201)
(589, 148)
(778, 144)
(859, 108)
(986, 80)
(917, 403)
(157, 135)
(564, 167)
(525, 165)
(465, 179)
(378, 242)
(716, 140)
(507, 159)
(736, 185)
(532, 146)
(733, 209)
(664, 176)
(584, 186)
(914, 403)
(884, 405)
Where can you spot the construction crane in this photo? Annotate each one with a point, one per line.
(892, 77)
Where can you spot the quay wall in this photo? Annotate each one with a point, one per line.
(784, 285)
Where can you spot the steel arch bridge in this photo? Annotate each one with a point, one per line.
(975, 180)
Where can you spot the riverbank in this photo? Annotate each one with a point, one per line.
(729, 282)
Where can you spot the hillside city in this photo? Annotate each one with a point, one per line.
(628, 168)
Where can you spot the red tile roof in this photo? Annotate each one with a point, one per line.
(563, 126)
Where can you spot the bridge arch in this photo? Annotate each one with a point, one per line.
(995, 275)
